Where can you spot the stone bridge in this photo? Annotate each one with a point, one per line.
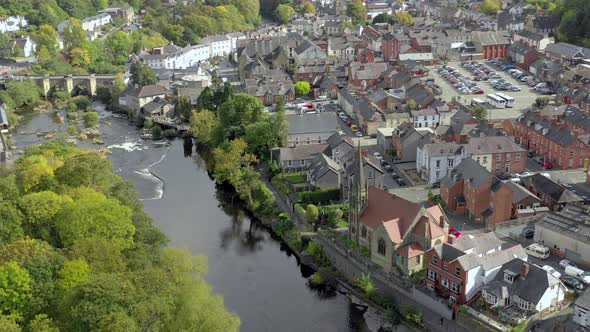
(73, 84)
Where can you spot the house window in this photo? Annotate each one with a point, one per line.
(485, 159)
(517, 157)
(452, 300)
(431, 275)
(418, 259)
(289, 162)
(445, 266)
(478, 160)
(434, 260)
(381, 247)
(455, 288)
(445, 283)
(524, 305)
(364, 232)
(451, 162)
(457, 271)
(571, 154)
(498, 157)
(319, 139)
(430, 287)
(520, 207)
(508, 278)
(491, 298)
(438, 164)
(508, 157)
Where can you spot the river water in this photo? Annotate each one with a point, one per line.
(256, 274)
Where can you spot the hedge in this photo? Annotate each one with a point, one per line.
(320, 196)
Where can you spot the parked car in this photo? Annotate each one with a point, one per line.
(547, 165)
(527, 233)
(454, 232)
(388, 168)
(377, 155)
(394, 176)
(354, 128)
(358, 134)
(572, 282)
(436, 185)
(565, 263)
(582, 275)
(551, 271)
(400, 182)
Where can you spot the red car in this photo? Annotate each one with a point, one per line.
(5, 73)
(454, 232)
(478, 92)
(547, 165)
(477, 78)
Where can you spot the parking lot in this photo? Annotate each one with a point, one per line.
(523, 98)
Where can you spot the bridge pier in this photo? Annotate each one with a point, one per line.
(46, 86)
(92, 85)
(69, 84)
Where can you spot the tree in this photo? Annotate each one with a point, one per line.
(47, 41)
(574, 26)
(156, 132)
(205, 100)
(490, 7)
(183, 108)
(23, 92)
(284, 13)
(308, 7)
(229, 159)
(405, 18)
(279, 125)
(39, 210)
(384, 18)
(259, 136)
(541, 102)
(357, 12)
(91, 215)
(10, 223)
(73, 273)
(334, 215)
(346, 25)
(302, 88)
(9, 324)
(118, 87)
(79, 57)
(479, 112)
(311, 213)
(202, 125)
(411, 104)
(90, 119)
(142, 74)
(74, 35)
(86, 168)
(15, 288)
(118, 46)
(43, 323)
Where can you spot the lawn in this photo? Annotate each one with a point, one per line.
(295, 177)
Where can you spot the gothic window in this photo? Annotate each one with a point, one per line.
(381, 247)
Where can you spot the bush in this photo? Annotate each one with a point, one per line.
(72, 130)
(279, 183)
(148, 124)
(311, 213)
(334, 216)
(71, 107)
(90, 119)
(283, 224)
(156, 132)
(412, 315)
(320, 196)
(316, 279)
(170, 133)
(82, 102)
(316, 251)
(300, 211)
(365, 284)
(61, 96)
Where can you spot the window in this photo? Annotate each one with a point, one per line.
(485, 159)
(438, 164)
(431, 275)
(364, 232)
(381, 247)
(430, 287)
(498, 157)
(571, 154)
(478, 160)
(458, 270)
(434, 260)
(445, 283)
(289, 162)
(452, 300)
(455, 288)
(517, 156)
(524, 305)
(445, 266)
(319, 139)
(418, 259)
(520, 207)
(451, 162)
(508, 157)
(508, 278)
(491, 298)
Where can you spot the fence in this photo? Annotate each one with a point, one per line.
(514, 222)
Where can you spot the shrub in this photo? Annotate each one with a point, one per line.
(316, 279)
(412, 315)
(283, 225)
(311, 213)
(148, 124)
(300, 211)
(156, 132)
(170, 133)
(82, 102)
(316, 251)
(90, 119)
(365, 283)
(61, 96)
(72, 130)
(71, 107)
(279, 183)
(320, 196)
(334, 216)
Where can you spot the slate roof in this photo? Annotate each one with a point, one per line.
(301, 152)
(491, 260)
(542, 184)
(321, 165)
(146, 91)
(312, 123)
(485, 38)
(493, 144)
(519, 192)
(447, 252)
(577, 117)
(420, 94)
(566, 50)
(336, 139)
(546, 22)
(530, 288)
(469, 170)
(530, 35)
(443, 149)
(154, 105)
(555, 133)
(266, 86)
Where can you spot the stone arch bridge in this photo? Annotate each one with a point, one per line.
(73, 84)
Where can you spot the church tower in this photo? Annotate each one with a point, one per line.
(358, 198)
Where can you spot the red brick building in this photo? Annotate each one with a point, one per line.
(472, 191)
(391, 43)
(553, 140)
(522, 55)
(492, 44)
(498, 154)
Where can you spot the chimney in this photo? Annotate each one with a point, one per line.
(524, 270)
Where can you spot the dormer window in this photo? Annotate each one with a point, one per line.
(508, 277)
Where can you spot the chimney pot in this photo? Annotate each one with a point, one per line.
(524, 270)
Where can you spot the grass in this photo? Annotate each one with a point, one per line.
(519, 328)
(295, 177)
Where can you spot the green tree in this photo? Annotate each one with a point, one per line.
(15, 288)
(490, 7)
(357, 12)
(229, 160)
(10, 223)
(259, 137)
(411, 104)
(311, 213)
(72, 274)
(102, 255)
(384, 18)
(39, 210)
(47, 41)
(92, 215)
(156, 132)
(90, 119)
(205, 100)
(118, 46)
(86, 168)
(42, 323)
(302, 88)
(202, 125)
(480, 112)
(142, 74)
(23, 92)
(279, 125)
(284, 13)
(9, 324)
(74, 35)
(183, 108)
(334, 215)
(346, 25)
(405, 18)
(308, 7)
(79, 57)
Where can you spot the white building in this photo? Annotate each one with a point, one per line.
(219, 45)
(96, 22)
(435, 160)
(12, 23)
(27, 45)
(234, 37)
(425, 118)
(175, 57)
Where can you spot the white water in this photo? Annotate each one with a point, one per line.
(147, 173)
(129, 146)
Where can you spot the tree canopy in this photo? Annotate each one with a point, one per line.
(284, 13)
(142, 74)
(78, 253)
(302, 88)
(357, 12)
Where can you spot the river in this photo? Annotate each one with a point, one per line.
(255, 273)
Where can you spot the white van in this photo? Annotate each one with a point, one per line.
(578, 273)
(538, 250)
